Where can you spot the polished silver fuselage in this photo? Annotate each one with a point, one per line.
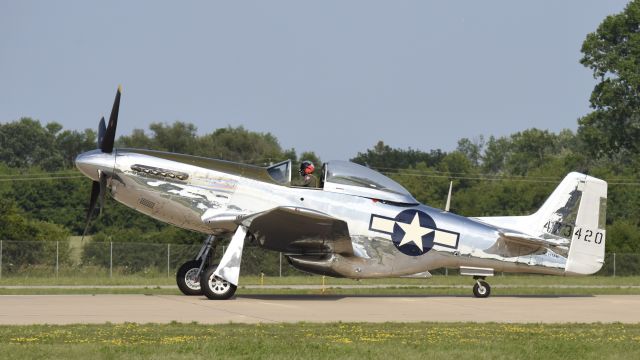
(194, 194)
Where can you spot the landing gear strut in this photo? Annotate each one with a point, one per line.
(481, 289)
(188, 276)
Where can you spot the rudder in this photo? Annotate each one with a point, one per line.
(586, 252)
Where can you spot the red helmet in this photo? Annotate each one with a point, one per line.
(306, 168)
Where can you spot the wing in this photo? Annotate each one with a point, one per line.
(302, 231)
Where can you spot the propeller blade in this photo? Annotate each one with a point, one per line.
(110, 133)
(101, 130)
(103, 190)
(95, 192)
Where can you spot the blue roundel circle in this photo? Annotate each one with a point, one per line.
(413, 232)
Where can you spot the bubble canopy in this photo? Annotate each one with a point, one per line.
(350, 178)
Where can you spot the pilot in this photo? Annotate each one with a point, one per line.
(306, 171)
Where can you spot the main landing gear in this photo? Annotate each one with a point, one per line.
(481, 289)
(215, 281)
(188, 276)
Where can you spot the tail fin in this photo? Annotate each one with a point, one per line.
(575, 211)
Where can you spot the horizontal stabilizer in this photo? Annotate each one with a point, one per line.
(534, 241)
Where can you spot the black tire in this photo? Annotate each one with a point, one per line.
(187, 279)
(481, 289)
(215, 288)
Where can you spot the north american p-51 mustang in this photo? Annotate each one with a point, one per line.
(356, 224)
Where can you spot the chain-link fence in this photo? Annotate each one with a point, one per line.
(61, 258)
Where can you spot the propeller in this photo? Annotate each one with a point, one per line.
(106, 137)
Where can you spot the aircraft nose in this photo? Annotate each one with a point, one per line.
(90, 162)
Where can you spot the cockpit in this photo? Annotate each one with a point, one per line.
(349, 178)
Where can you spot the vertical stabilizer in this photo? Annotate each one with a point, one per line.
(558, 215)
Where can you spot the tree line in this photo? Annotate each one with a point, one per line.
(43, 197)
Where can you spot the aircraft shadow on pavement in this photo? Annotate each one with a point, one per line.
(333, 297)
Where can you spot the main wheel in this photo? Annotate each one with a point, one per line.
(188, 279)
(481, 289)
(215, 288)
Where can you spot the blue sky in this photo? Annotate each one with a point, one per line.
(332, 77)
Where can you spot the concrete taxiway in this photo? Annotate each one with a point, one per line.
(69, 309)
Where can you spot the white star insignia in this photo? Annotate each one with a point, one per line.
(413, 232)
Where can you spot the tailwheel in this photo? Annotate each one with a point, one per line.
(214, 287)
(481, 289)
(188, 278)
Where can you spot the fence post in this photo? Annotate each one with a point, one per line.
(446, 271)
(111, 259)
(57, 256)
(614, 264)
(0, 259)
(168, 257)
(280, 271)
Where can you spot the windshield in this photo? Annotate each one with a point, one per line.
(281, 172)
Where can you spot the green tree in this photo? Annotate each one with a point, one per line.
(26, 143)
(70, 143)
(612, 52)
(495, 155)
(15, 225)
(178, 137)
(240, 144)
(29, 242)
(623, 237)
(138, 139)
(531, 148)
(525, 151)
(472, 149)
(384, 157)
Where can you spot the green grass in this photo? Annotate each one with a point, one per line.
(88, 278)
(76, 244)
(323, 341)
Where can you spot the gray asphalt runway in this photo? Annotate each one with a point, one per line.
(69, 309)
(319, 287)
